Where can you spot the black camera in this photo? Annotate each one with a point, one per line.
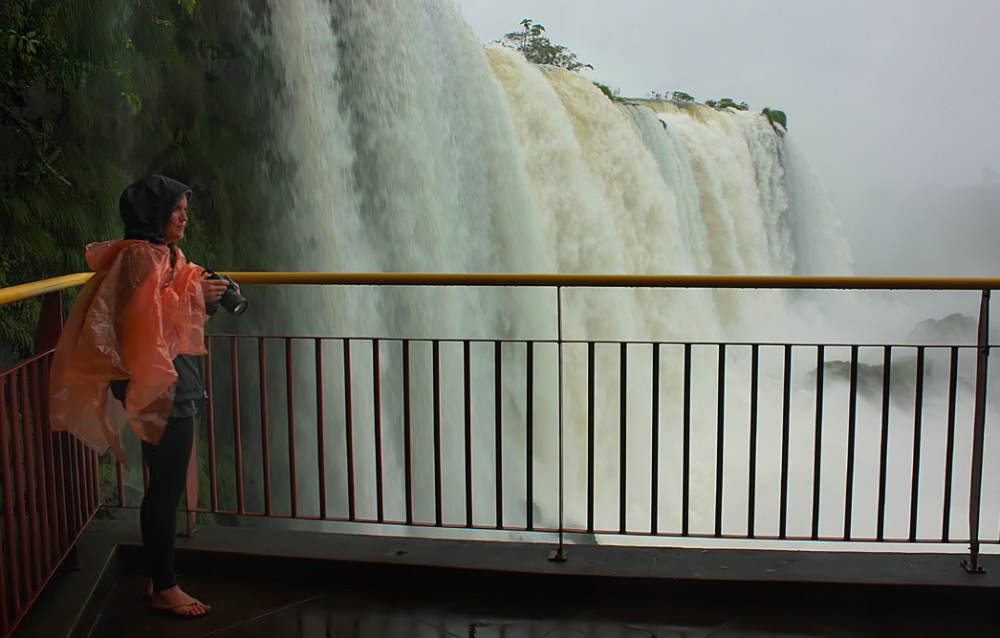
(232, 300)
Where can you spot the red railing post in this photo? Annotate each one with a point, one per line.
(50, 325)
(559, 554)
(978, 438)
(50, 322)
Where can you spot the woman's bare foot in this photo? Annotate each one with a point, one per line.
(176, 601)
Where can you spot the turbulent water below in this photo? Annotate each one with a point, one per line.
(414, 148)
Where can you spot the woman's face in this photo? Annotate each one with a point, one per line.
(175, 227)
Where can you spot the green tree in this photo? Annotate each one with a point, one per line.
(776, 117)
(538, 49)
(110, 90)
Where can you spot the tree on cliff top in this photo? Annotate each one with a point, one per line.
(538, 49)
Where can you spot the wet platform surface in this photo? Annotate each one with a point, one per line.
(248, 609)
(272, 584)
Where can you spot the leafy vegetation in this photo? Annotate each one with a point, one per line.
(96, 93)
(612, 94)
(677, 97)
(536, 47)
(776, 117)
(727, 103)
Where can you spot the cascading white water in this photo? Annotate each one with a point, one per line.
(391, 171)
(413, 148)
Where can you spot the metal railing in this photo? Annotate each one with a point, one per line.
(406, 432)
(48, 482)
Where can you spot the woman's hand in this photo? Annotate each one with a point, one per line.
(213, 288)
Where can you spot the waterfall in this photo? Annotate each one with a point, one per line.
(411, 147)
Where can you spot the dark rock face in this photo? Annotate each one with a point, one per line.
(956, 329)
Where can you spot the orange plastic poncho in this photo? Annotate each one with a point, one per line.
(129, 322)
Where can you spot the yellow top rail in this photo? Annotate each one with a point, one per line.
(35, 289)
(44, 287)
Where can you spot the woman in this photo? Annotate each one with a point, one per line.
(137, 329)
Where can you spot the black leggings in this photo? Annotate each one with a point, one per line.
(168, 466)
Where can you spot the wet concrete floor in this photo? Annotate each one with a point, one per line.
(247, 609)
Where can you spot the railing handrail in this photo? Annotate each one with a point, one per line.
(12, 294)
(21, 292)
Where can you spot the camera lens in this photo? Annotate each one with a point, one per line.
(233, 301)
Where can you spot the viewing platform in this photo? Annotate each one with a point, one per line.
(547, 487)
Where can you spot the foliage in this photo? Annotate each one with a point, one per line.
(110, 90)
(776, 117)
(25, 45)
(727, 103)
(18, 319)
(612, 94)
(677, 97)
(538, 49)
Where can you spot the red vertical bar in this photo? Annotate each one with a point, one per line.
(468, 434)
(58, 443)
(591, 439)
(82, 476)
(210, 417)
(16, 455)
(623, 442)
(76, 476)
(498, 429)
(86, 484)
(86, 478)
(438, 483)
(87, 466)
(852, 421)
(83, 458)
(290, 402)
(42, 489)
(57, 485)
(121, 483)
(320, 427)
(73, 488)
(8, 505)
(349, 430)
(949, 455)
(50, 322)
(191, 484)
(377, 382)
(407, 434)
(234, 365)
(264, 438)
(529, 436)
(65, 485)
(4, 613)
(95, 483)
(654, 493)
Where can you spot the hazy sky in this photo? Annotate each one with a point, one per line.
(877, 92)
